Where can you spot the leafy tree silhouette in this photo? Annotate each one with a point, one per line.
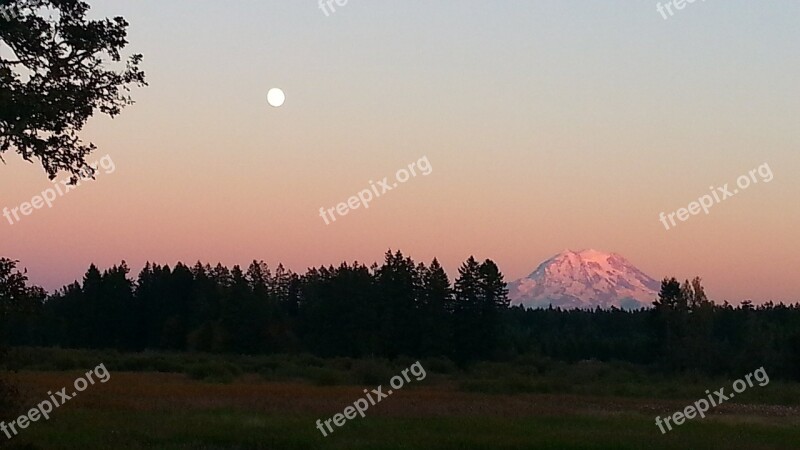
(15, 297)
(64, 69)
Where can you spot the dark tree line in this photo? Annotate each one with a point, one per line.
(398, 308)
(684, 331)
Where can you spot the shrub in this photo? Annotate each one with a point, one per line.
(9, 399)
(326, 377)
(372, 372)
(440, 365)
(214, 372)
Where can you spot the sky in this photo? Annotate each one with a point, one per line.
(547, 126)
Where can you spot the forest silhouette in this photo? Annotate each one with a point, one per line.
(398, 308)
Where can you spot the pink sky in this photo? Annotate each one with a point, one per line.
(566, 127)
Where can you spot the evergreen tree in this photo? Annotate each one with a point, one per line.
(467, 326)
(436, 309)
(399, 285)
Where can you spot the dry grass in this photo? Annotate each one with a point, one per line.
(165, 392)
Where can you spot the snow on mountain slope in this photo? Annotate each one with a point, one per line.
(585, 279)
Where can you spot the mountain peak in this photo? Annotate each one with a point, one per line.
(585, 279)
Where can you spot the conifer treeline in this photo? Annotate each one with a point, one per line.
(398, 308)
(683, 332)
(395, 309)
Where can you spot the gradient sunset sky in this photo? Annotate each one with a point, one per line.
(549, 126)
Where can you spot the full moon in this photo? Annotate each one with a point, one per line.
(276, 97)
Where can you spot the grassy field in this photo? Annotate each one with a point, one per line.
(487, 407)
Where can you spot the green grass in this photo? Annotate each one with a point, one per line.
(88, 429)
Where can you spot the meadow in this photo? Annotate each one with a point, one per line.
(201, 401)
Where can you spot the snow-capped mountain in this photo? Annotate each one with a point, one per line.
(585, 279)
